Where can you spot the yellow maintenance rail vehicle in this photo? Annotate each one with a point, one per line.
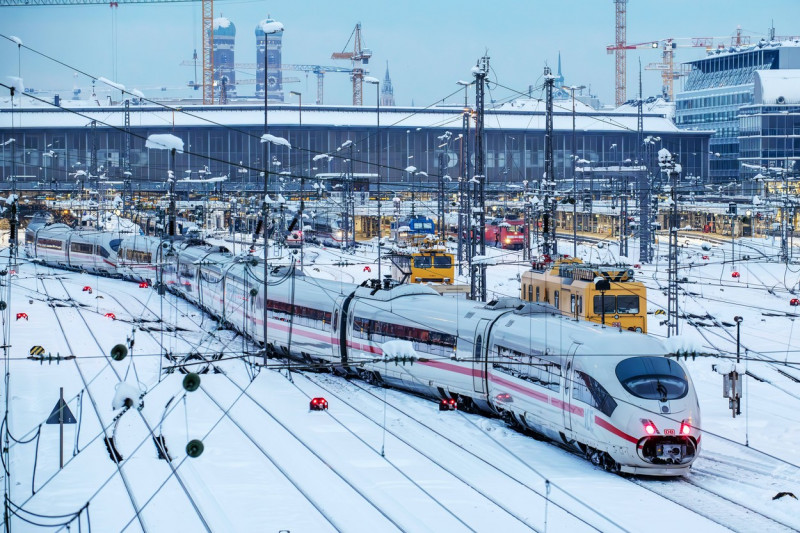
(606, 294)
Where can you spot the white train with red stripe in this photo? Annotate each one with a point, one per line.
(87, 250)
(611, 395)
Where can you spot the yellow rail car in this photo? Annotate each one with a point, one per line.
(570, 286)
(427, 263)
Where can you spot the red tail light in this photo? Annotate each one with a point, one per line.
(649, 427)
(686, 427)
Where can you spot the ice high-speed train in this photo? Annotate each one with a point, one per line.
(608, 394)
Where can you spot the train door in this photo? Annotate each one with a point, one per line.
(340, 320)
(479, 359)
(566, 391)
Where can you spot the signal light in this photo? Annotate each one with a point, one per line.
(112, 316)
(794, 302)
(686, 427)
(448, 404)
(649, 427)
(504, 397)
(87, 289)
(734, 274)
(144, 285)
(318, 404)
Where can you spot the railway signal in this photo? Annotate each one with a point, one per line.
(448, 404)
(318, 404)
(22, 315)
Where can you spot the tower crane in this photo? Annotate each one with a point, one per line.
(208, 37)
(360, 57)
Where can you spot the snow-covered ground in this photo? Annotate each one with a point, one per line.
(378, 459)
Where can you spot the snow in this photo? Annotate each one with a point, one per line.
(269, 26)
(271, 464)
(164, 141)
(125, 393)
(398, 348)
(268, 138)
(370, 79)
(113, 84)
(777, 87)
(221, 22)
(411, 168)
(17, 84)
(137, 93)
(8, 142)
(15, 39)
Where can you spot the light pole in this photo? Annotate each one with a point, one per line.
(269, 28)
(377, 83)
(572, 90)
(300, 106)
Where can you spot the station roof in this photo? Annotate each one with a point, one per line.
(520, 115)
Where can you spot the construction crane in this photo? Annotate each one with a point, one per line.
(318, 70)
(360, 57)
(667, 67)
(208, 37)
(619, 49)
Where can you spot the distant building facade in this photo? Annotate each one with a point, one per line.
(769, 128)
(227, 141)
(717, 87)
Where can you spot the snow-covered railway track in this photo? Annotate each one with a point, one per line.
(439, 446)
(173, 471)
(695, 495)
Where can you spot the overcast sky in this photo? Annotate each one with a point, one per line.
(429, 44)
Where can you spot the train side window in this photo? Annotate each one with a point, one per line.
(442, 261)
(572, 303)
(537, 294)
(607, 302)
(423, 261)
(335, 319)
(628, 304)
(478, 346)
(587, 390)
(555, 299)
(530, 293)
(580, 305)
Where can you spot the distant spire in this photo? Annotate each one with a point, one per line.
(559, 77)
(387, 91)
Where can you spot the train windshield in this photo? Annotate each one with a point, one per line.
(653, 378)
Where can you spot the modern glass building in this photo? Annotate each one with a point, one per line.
(769, 128)
(717, 86)
(53, 143)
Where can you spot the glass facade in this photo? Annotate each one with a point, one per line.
(512, 155)
(715, 89)
(769, 137)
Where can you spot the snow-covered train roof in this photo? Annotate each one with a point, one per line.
(526, 114)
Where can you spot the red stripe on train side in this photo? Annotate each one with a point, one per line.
(619, 433)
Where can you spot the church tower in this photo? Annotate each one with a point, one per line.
(387, 91)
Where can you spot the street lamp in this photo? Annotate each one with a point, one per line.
(377, 83)
(300, 106)
(269, 27)
(572, 90)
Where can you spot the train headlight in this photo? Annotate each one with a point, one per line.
(686, 427)
(649, 427)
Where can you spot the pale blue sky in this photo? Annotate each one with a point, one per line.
(430, 44)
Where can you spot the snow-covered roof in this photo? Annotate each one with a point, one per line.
(524, 115)
(777, 87)
(762, 44)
